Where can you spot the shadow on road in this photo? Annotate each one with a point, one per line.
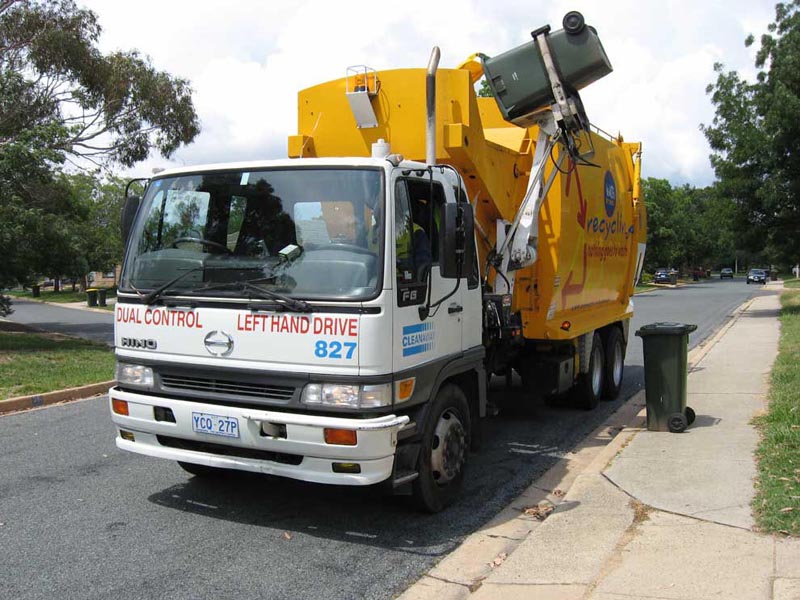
(519, 445)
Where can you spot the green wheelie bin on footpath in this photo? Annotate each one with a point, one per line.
(666, 348)
(91, 297)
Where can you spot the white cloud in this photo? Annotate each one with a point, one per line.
(247, 60)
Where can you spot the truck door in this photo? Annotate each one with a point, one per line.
(416, 232)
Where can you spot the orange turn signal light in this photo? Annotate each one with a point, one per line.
(119, 406)
(566, 325)
(340, 437)
(405, 389)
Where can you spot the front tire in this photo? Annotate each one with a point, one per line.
(589, 387)
(445, 446)
(614, 364)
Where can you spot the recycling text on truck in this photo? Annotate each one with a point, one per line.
(334, 317)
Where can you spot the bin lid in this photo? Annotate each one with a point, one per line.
(663, 328)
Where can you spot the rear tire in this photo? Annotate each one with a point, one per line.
(589, 387)
(614, 364)
(445, 447)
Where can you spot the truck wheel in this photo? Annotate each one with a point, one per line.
(589, 387)
(201, 470)
(614, 364)
(443, 456)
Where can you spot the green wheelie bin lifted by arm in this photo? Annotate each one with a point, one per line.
(665, 375)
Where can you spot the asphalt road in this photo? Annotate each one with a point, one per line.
(89, 324)
(80, 519)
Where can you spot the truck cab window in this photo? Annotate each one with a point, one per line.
(231, 226)
(408, 269)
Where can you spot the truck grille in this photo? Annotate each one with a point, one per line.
(226, 387)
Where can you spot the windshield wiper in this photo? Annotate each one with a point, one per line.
(293, 304)
(151, 297)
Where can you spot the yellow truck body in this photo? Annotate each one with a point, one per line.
(592, 224)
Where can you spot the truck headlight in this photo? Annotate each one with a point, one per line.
(134, 375)
(350, 396)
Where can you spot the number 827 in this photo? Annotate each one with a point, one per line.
(334, 349)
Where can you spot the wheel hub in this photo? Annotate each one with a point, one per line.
(449, 448)
(618, 364)
(597, 371)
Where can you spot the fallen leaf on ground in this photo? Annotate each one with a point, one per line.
(540, 511)
(499, 560)
(787, 509)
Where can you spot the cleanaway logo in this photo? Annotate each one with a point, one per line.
(418, 338)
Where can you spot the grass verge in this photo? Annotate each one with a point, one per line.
(35, 363)
(792, 284)
(777, 501)
(646, 287)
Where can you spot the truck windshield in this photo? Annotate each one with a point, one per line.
(311, 233)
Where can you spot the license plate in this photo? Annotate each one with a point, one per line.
(215, 424)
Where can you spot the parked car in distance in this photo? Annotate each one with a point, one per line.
(662, 276)
(726, 272)
(756, 276)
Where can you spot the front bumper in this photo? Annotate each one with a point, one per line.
(298, 452)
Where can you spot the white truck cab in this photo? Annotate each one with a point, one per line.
(268, 320)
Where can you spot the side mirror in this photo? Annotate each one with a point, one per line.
(456, 240)
(129, 210)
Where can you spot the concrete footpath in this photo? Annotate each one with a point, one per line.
(644, 514)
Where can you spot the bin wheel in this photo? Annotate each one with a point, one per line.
(614, 364)
(589, 387)
(573, 22)
(690, 415)
(445, 446)
(677, 423)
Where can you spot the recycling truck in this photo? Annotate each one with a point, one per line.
(335, 316)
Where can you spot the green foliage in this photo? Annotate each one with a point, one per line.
(63, 101)
(485, 91)
(778, 485)
(687, 227)
(755, 138)
(59, 89)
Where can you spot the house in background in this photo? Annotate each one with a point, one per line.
(105, 279)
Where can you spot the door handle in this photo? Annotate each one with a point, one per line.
(454, 308)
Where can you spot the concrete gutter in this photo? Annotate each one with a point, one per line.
(37, 400)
